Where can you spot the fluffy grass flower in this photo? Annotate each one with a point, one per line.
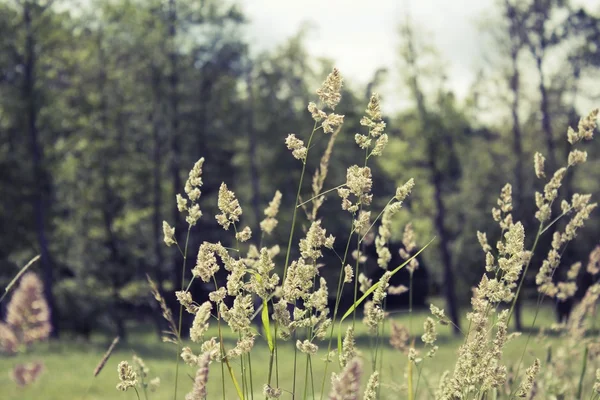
(346, 385)
(229, 206)
(127, 376)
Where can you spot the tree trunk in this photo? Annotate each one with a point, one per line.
(437, 181)
(174, 139)
(440, 217)
(518, 153)
(37, 157)
(546, 118)
(252, 152)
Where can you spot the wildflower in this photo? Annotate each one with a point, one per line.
(530, 375)
(212, 348)
(244, 235)
(380, 290)
(348, 274)
(538, 163)
(384, 234)
(9, 342)
(439, 314)
(380, 145)
(271, 392)
(364, 282)
(431, 353)
(483, 241)
(194, 182)
(372, 385)
(329, 92)
(181, 203)
(430, 334)
(359, 183)
(154, 384)
(243, 346)
(397, 290)
(264, 282)
(585, 129)
(399, 337)
(413, 356)
(194, 214)
(332, 122)
(268, 224)
(408, 241)
(373, 315)
(169, 234)
(310, 247)
(373, 120)
(206, 261)
(218, 295)
(296, 146)
(28, 313)
(185, 299)
(317, 115)
(363, 141)
(188, 357)
(26, 374)
(593, 266)
(348, 347)
(346, 385)
(200, 324)
(281, 316)
(238, 317)
(199, 389)
(577, 157)
(127, 376)
(362, 222)
(403, 191)
(141, 366)
(229, 207)
(307, 347)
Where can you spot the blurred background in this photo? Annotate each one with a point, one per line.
(105, 105)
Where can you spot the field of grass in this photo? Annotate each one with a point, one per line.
(70, 365)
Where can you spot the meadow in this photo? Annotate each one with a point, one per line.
(70, 363)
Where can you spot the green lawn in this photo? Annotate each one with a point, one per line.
(70, 366)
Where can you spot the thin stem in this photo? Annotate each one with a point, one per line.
(306, 377)
(19, 274)
(556, 220)
(320, 194)
(338, 297)
(250, 370)
(222, 346)
(583, 367)
(136, 392)
(356, 269)
(410, 303)
(512, 306)
(376, 219)
(291, 238)
(187, 239)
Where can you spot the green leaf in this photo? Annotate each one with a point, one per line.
(267, 325)
(368, 292)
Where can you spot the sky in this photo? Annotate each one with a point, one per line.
(361, 35)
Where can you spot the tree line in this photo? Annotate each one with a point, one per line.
(105, 107)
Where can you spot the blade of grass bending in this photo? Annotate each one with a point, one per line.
(371, 290)
(267, 325)
(235, 382)
(19, 274)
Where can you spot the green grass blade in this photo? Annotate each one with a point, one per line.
(267, 325)
(368, 292)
